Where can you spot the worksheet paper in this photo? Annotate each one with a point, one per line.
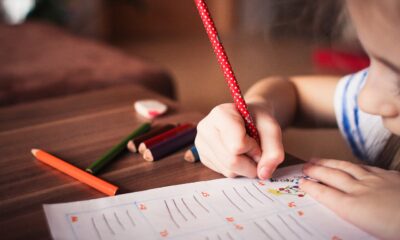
(218, 209)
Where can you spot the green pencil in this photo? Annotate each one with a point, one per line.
(117, 149)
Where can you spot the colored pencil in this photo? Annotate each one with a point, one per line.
(133, 145)
(170, 145)
(96, 166)
(159, 138)
(226, 68)
(192, 155)
(75, 172)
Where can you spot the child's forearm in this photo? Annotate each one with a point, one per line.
(306, 101)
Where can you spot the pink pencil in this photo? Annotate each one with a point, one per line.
(226, 68)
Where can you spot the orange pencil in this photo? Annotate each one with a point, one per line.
(75, 172)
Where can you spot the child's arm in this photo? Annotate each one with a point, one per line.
(303, 100)
(275, 103)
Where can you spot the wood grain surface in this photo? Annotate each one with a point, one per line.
(78, 129)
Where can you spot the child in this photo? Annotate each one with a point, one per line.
(365, 106)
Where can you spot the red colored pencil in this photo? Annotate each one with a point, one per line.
(226, 68)
(159, 138)
(133, 145)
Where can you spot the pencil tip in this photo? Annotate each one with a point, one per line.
(188, 156)
(142, 148)
(34, 151)
(131, 146)
(148, 156)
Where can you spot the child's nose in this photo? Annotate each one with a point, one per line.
(374, 101)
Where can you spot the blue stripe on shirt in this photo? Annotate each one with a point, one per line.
(356, 111)
(346, 122)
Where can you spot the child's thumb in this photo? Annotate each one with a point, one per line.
(272, 151)
(253, 149)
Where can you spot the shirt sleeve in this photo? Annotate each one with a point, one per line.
(364, 133)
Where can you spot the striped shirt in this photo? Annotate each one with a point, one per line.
(364, 133)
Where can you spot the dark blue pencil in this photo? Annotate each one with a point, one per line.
(192, 155)
(170, 145)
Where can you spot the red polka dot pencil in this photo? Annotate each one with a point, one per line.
(226, 68)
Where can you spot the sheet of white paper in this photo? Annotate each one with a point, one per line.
(218, 209)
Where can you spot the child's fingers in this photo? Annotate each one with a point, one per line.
(207, 156)
(373, 169)
(238, 164)
(204, 160)
(242, 166)
(230, 125)
(253, 148)
(330, 197)
(225, 121)
(272, 149)
(245, 145)
(223, 135)
(355, 170)
(204, 150)
(219, 159)
(207, 138)
(332, 177)
(217, 166)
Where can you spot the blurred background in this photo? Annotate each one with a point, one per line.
(262, 38)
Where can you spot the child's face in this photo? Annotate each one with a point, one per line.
(378, 26)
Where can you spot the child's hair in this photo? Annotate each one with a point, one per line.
(326, 21)
(320, 19)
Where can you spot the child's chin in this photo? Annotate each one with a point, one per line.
(393, 125)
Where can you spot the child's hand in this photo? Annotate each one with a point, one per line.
(368, 197)
(225, 147)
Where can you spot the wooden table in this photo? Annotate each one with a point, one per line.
(78, 129)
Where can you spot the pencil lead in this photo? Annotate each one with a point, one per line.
(148, 156)
(34, 151)
(131, 146)
(142, 148)
(189, 156)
